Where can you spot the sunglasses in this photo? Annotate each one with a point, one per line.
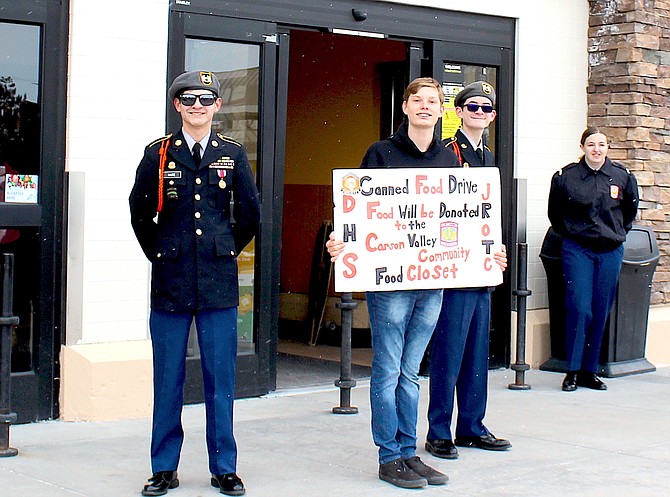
(486, 109)
(189, 99)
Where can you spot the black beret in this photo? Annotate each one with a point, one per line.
(194, 80)
(476, 89)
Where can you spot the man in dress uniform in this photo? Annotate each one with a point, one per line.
(460, 346)
(185, 188)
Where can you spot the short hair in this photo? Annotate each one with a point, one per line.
(419, 83)
(591, 130)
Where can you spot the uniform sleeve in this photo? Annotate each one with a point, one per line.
(144, 202)
(556, 205)
(630, 203)
(246, 207)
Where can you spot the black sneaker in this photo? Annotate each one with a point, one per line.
(432, 476)
(399, 474)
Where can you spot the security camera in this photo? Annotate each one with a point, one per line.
(359, 14)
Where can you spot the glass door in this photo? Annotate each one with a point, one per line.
(456, 65)
(242, 54)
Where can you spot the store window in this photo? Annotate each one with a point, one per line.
(20, 148)
(237, 66)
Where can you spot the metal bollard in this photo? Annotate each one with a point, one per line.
(521, 293)
(346, 383)
(6, 323)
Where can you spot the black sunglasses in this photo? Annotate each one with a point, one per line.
(189, 99)
(486, 109)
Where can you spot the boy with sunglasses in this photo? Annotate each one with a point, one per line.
(180, 206)
(460, 343)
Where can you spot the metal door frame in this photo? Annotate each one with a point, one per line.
(35, 393)
(502, 59)
(255, 373)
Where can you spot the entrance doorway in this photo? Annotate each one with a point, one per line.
(340, 100)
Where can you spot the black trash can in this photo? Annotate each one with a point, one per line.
(625, 337)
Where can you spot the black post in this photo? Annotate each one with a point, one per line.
(346, 383)
(6, 323)
(521, 293)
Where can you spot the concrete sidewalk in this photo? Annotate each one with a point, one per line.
(584, 444)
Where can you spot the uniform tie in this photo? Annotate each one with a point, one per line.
(480, 154)
(196, 153)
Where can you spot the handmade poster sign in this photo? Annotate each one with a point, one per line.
(408, 229)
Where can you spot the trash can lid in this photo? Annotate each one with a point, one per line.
(640, 246)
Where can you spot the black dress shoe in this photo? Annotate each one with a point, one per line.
(160, 483)
(590, 380)
(486, 442)
(229, 484)
(442, 448)
(569, 382)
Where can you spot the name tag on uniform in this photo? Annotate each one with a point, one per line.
(172, 174)
(223, 163)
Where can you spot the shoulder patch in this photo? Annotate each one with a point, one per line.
(449, 141)
(160, 140)
(228, 139)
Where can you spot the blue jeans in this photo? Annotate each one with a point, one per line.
(590, 289)
(402, 323)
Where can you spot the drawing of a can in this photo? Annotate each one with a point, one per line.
(448, 234)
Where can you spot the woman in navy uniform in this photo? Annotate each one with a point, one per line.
(592, 205)
(194, 206)
(459, 355)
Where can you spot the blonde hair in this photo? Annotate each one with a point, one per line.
(419, 83)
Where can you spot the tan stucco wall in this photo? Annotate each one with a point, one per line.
(105, 381)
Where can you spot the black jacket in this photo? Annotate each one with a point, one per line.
(467, 154)
(593, 208)
(399, 150)
(193, 243)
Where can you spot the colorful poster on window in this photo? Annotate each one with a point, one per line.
(21, 188)
(417, 228)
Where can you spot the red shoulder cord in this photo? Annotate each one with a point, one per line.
(457, 150)
(162, 154)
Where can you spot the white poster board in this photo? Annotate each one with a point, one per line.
(417, 228)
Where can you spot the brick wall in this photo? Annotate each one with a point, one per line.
(629, 94)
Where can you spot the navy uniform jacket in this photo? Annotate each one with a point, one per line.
(467, 156)
(467, 153)
(593, 208)
(193, 244)
(399, 150)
